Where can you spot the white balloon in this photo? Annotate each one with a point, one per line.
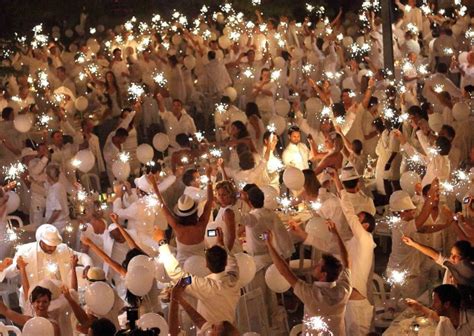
(463, 57)
(279, 62)
(93, 45)
(247, 268)
(161, 141)
(121, 170)
(279, 122)
(176, 39)
(313, 105)
(142, 260)
(318, 224)
(224, 42)
(149, 321)
(282, 107)
(408, 181)
(145, 153)
(23, 122)
(275, 281)
(38, 326)
(435, 121)
(13, 202)
(347, 41)
(190, 62)
(139, 280)
(69, 33)
(100, 298)
(293, 178)
(81, 103)
(231, 93)
(461, 111)
(196, 265)
(100, 28)
(87, 160)
(270, 194)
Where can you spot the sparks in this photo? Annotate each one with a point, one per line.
(124, 157)
(14, 171)
(135, 91)
(397, 277)
(160, 79)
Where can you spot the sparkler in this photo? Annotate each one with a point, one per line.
(275, 75)
(221, 107)
(308, 68)
(397, 277)
(52, 267)
(275, 165)
(249, 73)
(317, 324)
(215, 152)
(76, 163)
(124, 157)
(82, 195)
(160, 79)
(199, 136)
(315, 205)
(135, 91)
(11, 235)
(14, 171)
(44, 119)
(256, 2)
(43, 81)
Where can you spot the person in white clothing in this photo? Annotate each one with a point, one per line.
(447, 311)
(217, 293)
(326, 297)
(359, 311)
(57, 209)
(112, 149)
(296, 154)
(176, 121)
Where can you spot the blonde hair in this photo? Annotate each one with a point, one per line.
(229, 188)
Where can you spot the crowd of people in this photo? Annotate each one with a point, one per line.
(197, 177)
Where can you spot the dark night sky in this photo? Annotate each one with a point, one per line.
(22, 15)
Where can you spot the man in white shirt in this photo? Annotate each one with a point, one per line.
(296, 154)
(36, 171)
(192, 181)
(439, 78)
(359, 311)
(46, 258)
(120, 69)
(57, 209)
(327, 297)
(411, 13)
(176, 121)
(219, 292)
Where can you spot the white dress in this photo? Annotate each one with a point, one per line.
(220, 219)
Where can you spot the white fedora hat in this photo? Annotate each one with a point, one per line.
(348, 174)
(185, 207)
(401, 201)
(48, 234)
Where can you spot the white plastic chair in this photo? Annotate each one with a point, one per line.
(6, 329)
(90, 182)
(304, 267)
(251, 313)
(12, 219)
(297, 330)
(380, 298)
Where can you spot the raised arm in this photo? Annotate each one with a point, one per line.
(97, 250)
(82, 317)
(281, 265)
(13, 316)
(426, 250)
(24, 277)
(130, 241)
(166, 211)
(206, 214)
(342, 247)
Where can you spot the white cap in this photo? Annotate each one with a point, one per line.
(186, 206)
(112, 227)
(324, 177)
(49, 235)
(348, 174)
(401, 201)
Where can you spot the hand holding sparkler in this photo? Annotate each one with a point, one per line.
(408, 241)
(74, 261)
(114, 217)
(5, 263)
(21, 263)
(399, 136)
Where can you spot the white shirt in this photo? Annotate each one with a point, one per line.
(360, 246)
(465, 327)
(259, 221)
(257, 175)
(217, 293)
(436, 165)
(174, 126)
(403, 256)
(56, 199)
(296, 156)
(327, 299)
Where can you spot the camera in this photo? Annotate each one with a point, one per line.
(466, 200)
(263, 236)
(187, 280)
(212, 233)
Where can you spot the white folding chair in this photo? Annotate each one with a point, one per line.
(380, 298)
(12, 219)
(6, 330)
(304, 267)
(90, 182)
(297, 330)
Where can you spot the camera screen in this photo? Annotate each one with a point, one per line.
(212, 233)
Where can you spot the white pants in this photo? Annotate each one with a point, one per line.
(358, 317)
(37, 209)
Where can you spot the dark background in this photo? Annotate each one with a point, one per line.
(21, 15)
